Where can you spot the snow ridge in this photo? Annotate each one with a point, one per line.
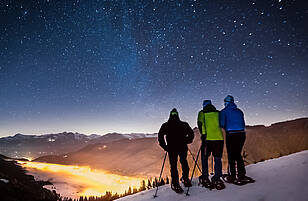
(280, 179)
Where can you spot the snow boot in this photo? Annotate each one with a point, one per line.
(232, 180)
(205, 182)
(177, 188)
(186, 182)
(245, 179)
(228, 178)
(218, 184)
(239, 182)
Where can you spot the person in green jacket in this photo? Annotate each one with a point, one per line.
(212, 143)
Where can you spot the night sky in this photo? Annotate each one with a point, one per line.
(120, 66)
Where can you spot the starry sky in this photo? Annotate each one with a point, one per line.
(120, 66)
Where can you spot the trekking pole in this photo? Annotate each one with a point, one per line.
(195, 160)
(162, 168)
(194, 169)
(212, 165)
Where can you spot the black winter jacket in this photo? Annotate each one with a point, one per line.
(178, 134)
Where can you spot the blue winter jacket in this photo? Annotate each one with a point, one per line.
(231, 118)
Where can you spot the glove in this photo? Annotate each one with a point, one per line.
(203, 139)
(165, 147)
(188, 140)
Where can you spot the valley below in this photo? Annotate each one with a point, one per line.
(115, 162)
(74, 181)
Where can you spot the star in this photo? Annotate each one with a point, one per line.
(117, 58)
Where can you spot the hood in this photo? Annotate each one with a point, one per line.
(209, 108)
(231, 105)
(174, 118)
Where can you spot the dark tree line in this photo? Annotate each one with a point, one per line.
(145, 185)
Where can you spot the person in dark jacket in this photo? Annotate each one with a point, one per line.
(232, 120)
(178, 134)
(212, 143)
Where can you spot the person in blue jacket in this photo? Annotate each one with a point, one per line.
(231, 119)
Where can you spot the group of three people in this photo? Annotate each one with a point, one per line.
(174, 135)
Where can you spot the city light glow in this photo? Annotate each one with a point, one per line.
(93, 182)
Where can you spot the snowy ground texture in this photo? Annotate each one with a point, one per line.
(281, 179)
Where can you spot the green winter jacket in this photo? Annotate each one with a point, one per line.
(208, 123)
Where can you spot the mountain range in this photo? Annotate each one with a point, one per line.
(33, 146)
(143, 156)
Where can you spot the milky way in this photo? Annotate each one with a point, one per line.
(102, 66)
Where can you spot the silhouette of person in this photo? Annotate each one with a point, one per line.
(212, 143)
(178, 134)
(232, 120)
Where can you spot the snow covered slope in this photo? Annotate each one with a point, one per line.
(281, 179)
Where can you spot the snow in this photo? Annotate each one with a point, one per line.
(139, 135)
(93, 136)
(154, 135)
(281, 179)
(5, 180)
(51, 140)
(77, 136)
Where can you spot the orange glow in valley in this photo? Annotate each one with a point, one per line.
(93, 182)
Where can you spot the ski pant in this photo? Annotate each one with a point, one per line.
(173, 158)
(214, 147)
(235, 142)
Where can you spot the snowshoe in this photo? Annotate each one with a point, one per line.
(228, 178)
(218, 184)
(186, 182)
(246, 179)
(232, 180)
(205, 182)
(239, 182)
(177, 188)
